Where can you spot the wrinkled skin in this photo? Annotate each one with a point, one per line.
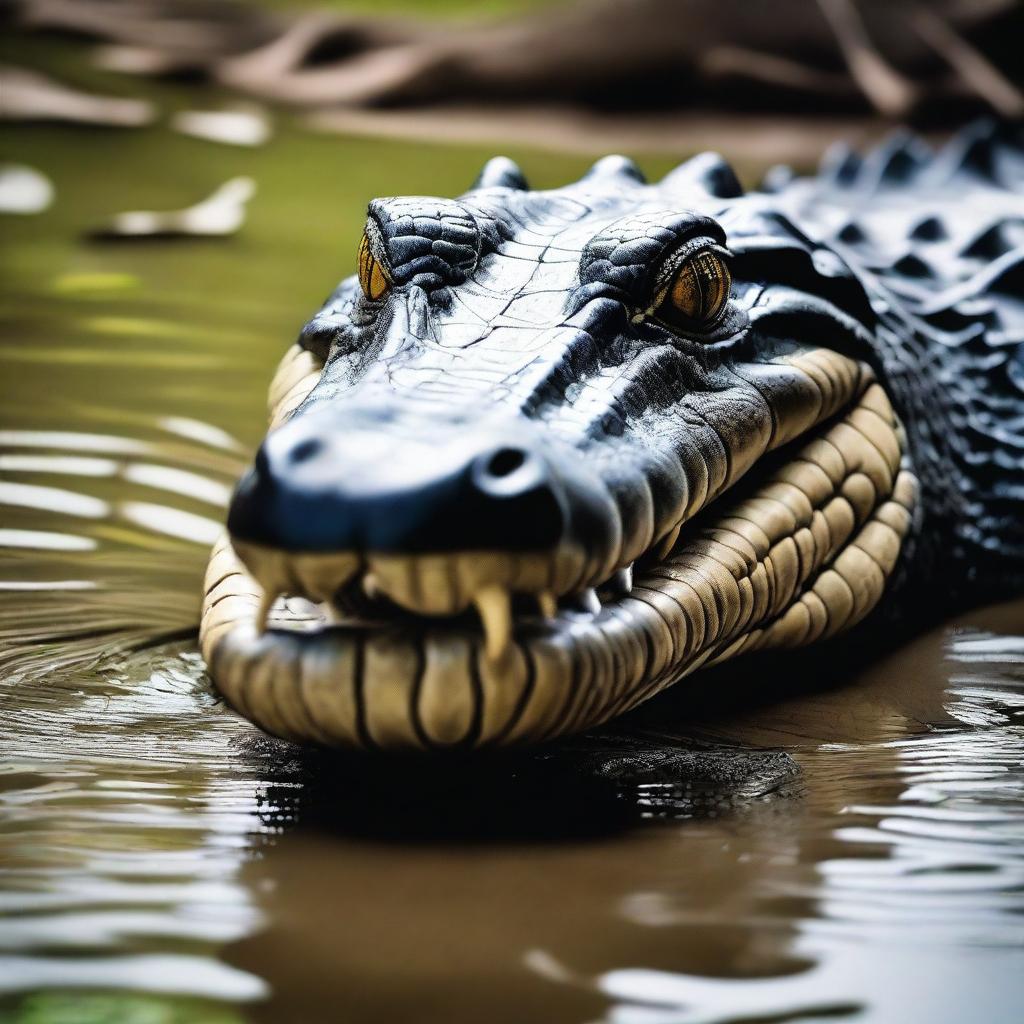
(512, 416)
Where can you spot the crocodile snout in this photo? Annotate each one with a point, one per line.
(372, 485)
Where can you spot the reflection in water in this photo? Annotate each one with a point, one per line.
(130, 799)
(178, 481)
(158, 856)
(139, 559)
(53, 499)
(125, 809)
(196, 430)
(172, 522)
(913, 912)
(44, 540)
(241, 126)
(219, 214)
(126, 816)
(23, 190)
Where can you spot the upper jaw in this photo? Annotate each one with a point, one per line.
(611, 522)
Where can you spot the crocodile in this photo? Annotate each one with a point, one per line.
(548, 452)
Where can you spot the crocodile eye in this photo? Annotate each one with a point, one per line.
(374, 278)
(700, 289)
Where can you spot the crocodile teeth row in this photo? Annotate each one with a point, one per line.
(436, 585)
(318, 578)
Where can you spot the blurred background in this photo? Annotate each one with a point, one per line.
(181, 183)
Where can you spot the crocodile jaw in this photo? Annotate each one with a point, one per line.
(801, 556)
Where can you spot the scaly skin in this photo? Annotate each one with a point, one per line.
(527, 399)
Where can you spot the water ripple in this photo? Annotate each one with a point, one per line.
(900, 898)
(135, 786)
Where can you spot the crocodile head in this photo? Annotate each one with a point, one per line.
(549, 451)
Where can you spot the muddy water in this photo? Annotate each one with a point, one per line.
(160, 861)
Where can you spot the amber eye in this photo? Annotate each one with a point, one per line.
(700, 288)
(374, 278)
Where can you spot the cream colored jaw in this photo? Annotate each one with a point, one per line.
(434, 585)
(427, 584)
(805, 556)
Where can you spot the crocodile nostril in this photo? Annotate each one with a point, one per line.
(505, 461)
(304, 450)
(508, 472)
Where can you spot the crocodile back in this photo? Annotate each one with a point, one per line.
(937, 241)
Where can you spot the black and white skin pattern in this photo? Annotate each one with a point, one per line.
(549, 452)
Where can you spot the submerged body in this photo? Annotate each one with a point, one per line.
(549, 452)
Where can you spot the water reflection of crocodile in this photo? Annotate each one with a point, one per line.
(641, 429)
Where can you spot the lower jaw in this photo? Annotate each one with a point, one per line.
(803, 556)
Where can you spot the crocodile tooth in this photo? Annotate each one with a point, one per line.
(263, 611)
(332, 613)
(621, 582)
(586, 601)
(371, 586)
(495, 608)
(548, 604)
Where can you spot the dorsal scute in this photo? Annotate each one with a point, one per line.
(501, 172)
(929, 229)
(984, 150)
(840, 166)
(899, 159)
(995, 239)
(615, 167)
(710, 172)
(777, 177)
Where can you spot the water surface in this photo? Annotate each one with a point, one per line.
(161, 861)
